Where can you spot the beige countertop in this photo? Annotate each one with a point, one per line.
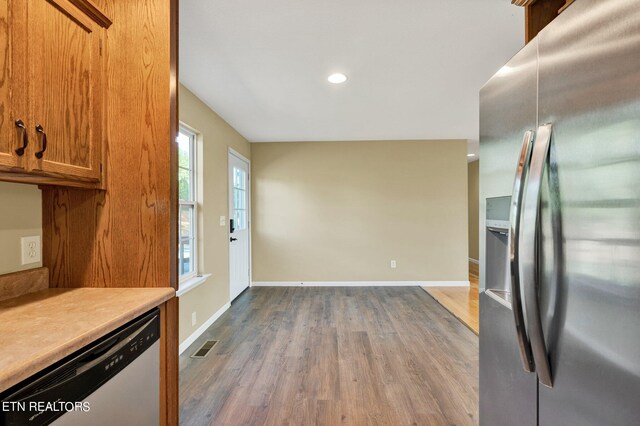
(38, 329)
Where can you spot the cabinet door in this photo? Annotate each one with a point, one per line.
(66, 68)
(13, 91)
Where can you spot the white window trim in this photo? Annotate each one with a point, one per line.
(189, 284)
(184, 280)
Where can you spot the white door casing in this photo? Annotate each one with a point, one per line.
(239, 216)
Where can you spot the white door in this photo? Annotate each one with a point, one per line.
(239, 217)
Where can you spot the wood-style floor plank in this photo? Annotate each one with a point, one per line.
(330, 356)
(463, 302)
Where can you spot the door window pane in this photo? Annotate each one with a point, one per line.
(240, 217)
(239, 178)
(240, 198)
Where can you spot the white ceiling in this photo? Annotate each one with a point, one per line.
(414, 66)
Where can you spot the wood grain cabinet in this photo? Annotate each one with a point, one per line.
(55, 91)
(13, 92)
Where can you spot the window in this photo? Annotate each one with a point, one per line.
(240, 198)
(188, 204)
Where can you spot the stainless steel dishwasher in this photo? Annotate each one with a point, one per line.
(113, 381)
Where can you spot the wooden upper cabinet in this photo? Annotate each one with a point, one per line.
(54, 69)
(67, 73)
(13, 91)
(539, 13)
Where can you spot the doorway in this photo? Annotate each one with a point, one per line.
(239, 224)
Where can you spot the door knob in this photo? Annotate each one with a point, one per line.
(233, 239)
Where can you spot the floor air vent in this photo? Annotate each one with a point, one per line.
(204, 349)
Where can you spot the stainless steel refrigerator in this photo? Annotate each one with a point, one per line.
(560, 136)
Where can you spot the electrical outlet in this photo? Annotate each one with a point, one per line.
(193, 319)
(393, 264)
(223, 221)
(30, 249)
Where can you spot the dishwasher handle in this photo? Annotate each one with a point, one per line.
(116, 346)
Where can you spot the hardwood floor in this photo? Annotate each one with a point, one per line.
(329, 356)
(463, 302)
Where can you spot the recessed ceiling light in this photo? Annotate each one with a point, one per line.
(471, 155)
(337, 78)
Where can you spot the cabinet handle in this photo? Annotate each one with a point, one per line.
(40, 130)
(25, 138)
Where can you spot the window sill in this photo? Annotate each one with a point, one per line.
(188, 285)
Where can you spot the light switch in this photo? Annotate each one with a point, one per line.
(223, 221)
(393, 264)
(30, 249)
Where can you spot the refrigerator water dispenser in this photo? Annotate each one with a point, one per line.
(497, 246)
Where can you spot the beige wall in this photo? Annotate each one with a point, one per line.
(20, 216)
(215, 138)
(341, 211)
(474, 219)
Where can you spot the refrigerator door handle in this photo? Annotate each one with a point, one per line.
(514, 250)
(529, 236)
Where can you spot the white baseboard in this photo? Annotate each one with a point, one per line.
(477, 262)
(359, 283)
(446, 284)
(208, 323)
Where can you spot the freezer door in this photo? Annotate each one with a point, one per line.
(508, 110)
(507, 393)
(589, 250)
